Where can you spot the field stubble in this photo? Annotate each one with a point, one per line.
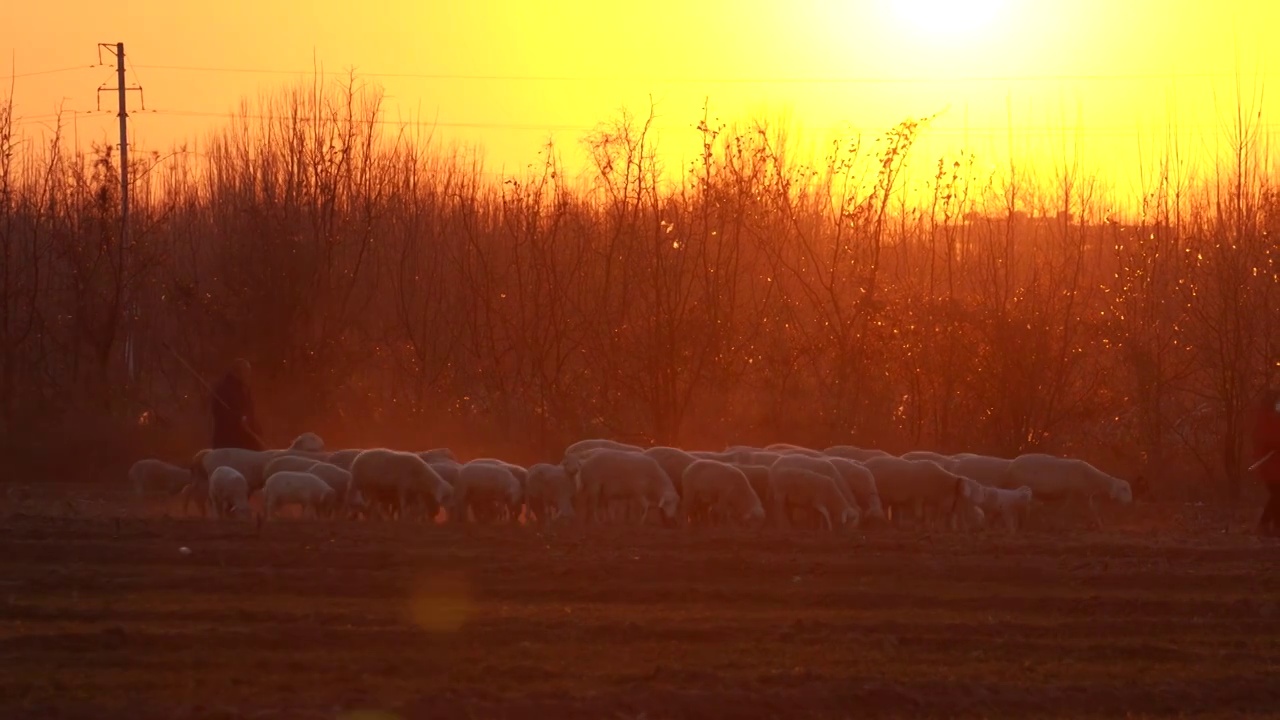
(104, 615)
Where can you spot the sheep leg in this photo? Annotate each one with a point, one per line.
(826, 517)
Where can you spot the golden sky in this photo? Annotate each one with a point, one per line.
(1101, 79)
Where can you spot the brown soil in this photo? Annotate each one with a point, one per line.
(102, 615)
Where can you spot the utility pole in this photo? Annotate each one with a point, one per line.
(130, 308)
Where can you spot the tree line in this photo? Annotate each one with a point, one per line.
(387, 292)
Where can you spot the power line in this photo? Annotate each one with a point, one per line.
(799, 80)
(51, 71)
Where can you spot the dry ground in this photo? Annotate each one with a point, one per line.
(102, 615)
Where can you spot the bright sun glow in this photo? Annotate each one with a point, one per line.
(948, 19)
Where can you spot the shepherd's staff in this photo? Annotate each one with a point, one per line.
(1262, 461)
(199, 378)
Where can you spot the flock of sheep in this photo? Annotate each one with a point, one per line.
(839, 487)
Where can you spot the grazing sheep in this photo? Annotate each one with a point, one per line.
(308, 442)
(430, 456)
(228, 493)
(250, 463)
(1011, 506)
(859, 480)
(344, 458)
(944, 461)
(795, 486)
(447, 470)
(295, 463)
(151, 477)
(607, 475)
(984, 469)
(822, 466)
(335, 477)
(725, 456)
(673, 462)
(1067, 481)
(789, 449)
(290, 487)
(758, 478)
(583, 446)
(855, 453)
(521, 473)
(489, 489)
(721, 489)
(919, 484)
(397, 481)
(548, 492)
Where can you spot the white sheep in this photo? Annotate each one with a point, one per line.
(920, 484)
(720, 489)
(798, 487)
(1067, 481)
(789, 449)
(280, 463)
(548, 492)
(290, 487)
(583, 446)
(489, 490)
(228, 492)
(606, 475)
(822, 466)
(758, 478)
(984, 469)
(430, 456)
(398, 481)
(1010, 506)
(945, 461)
(152, 477)
(857, 454)
(344, 458)
(673, 462)
(308, 442)
(859, 480)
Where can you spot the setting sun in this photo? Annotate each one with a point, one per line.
(948, 19)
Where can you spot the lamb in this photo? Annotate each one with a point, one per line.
(336, 478)
(228, 492)
(1011, 506)
(151, 477)
(548, 492)
(673, 462)
(622, 475)
(919, 484)
(722, 489)
(1067, 480)
(397, 481)
(487, 489)
(308, 442)
(859, 480)
(799, 487)
(290, 487)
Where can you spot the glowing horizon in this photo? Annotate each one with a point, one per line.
(1096, 84)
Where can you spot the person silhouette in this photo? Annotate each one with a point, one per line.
(235, 423)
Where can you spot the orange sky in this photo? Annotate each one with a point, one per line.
(506, 74)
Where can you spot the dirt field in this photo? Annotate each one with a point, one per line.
(107, 617)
